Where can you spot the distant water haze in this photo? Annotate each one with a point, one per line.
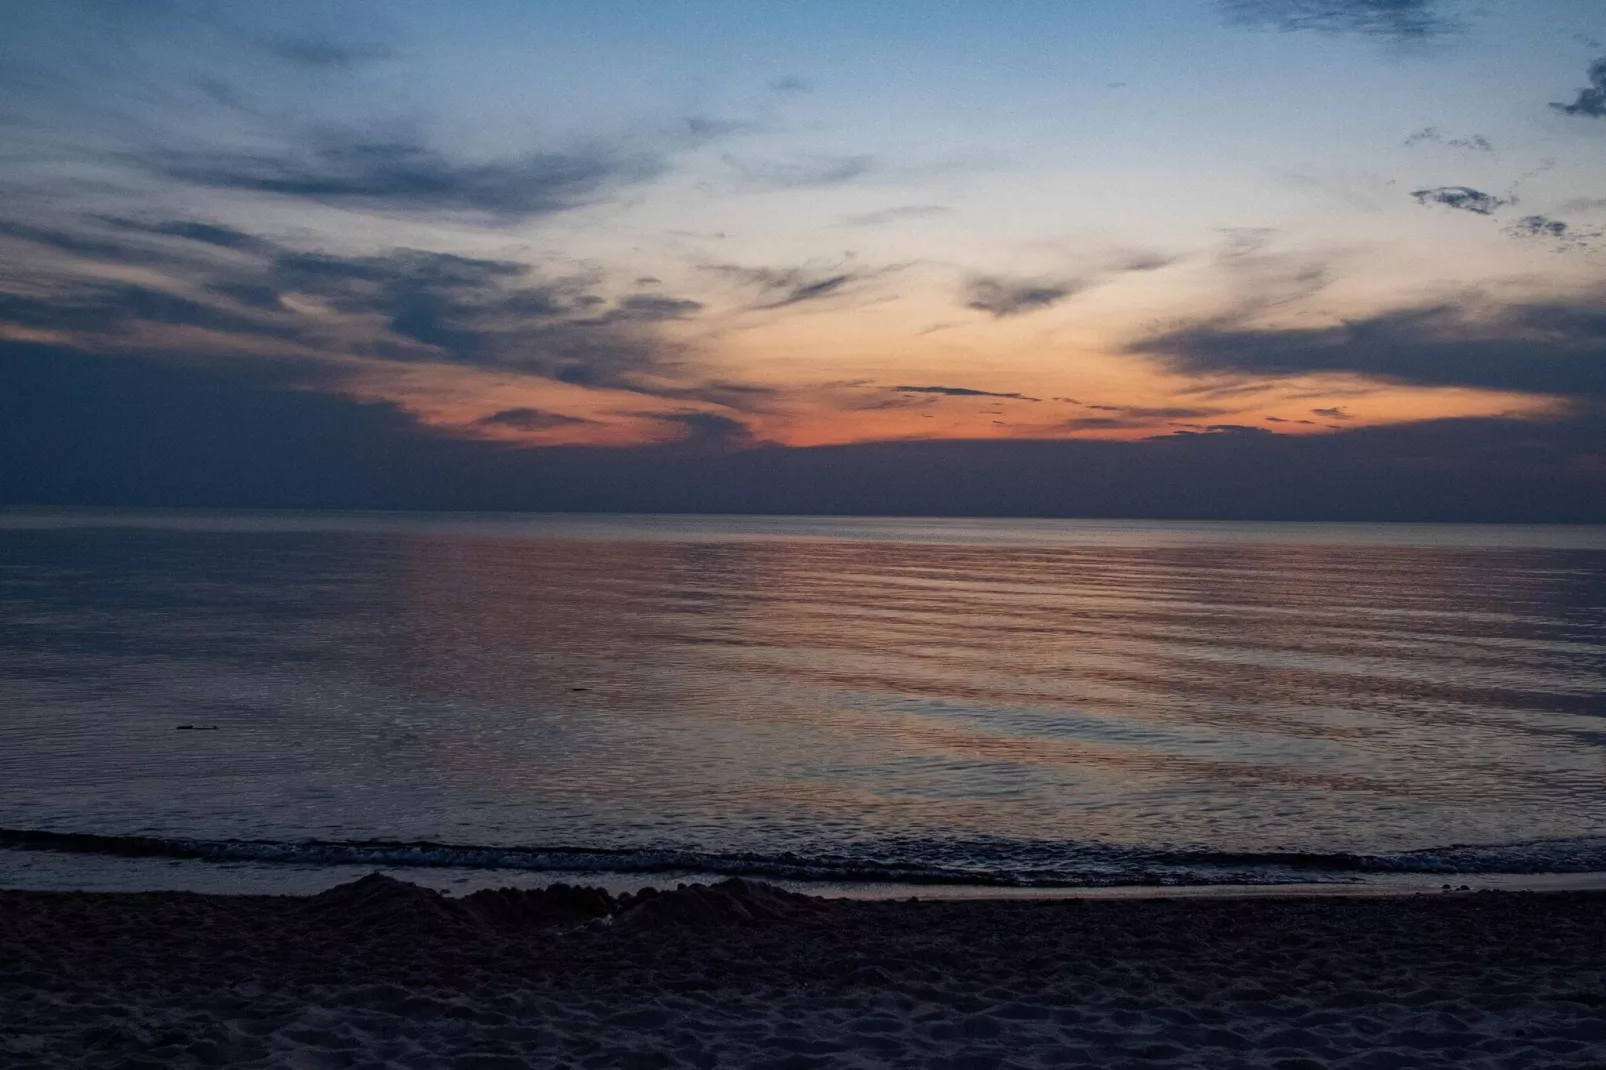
(994, 703)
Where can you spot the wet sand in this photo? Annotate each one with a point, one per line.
(380, 973)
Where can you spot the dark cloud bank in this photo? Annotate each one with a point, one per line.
(413, 305)
(1591, 100)
(80, 429)
(1555, 347)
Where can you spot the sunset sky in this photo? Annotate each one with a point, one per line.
(742, 224)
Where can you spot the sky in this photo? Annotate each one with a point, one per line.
(1280, 258)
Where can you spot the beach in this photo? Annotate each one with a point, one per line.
(379, 972)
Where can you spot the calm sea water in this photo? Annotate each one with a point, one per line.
(502, 699)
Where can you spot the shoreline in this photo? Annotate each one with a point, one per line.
(34, 870)
(746, 974)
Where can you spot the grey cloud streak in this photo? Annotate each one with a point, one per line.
(960, 392)
(1014, 295)
(1408, 20)
(699, 428)
(892, 215)
(782, 287)
(1555, 347)
(1001, 296)
(405, 175)
(529, 419)
(809, 172)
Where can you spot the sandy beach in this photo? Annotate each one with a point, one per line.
(382, 973)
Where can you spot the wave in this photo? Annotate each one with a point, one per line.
(981, 863)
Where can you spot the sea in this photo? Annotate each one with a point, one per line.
(272, 702)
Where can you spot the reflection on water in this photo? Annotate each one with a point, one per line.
(897, 688)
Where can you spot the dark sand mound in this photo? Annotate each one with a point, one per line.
(732, 902)
(377, 904)
(556, 904)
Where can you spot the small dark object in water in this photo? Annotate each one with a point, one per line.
(579, 689)
(197, 728)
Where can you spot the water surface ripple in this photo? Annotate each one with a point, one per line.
(1027, 702)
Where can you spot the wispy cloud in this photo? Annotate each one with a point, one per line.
(893, 215)
(1410, 20)
(1558, 231)
(806, 172)
(783, 287)
(961, 392)
(401, 305)
(1432, 135)
(224, 237)
(323, 52)
(1002, 296)
(108, 307)
(1461, 198)
(528, 419)
(1172, 412)
(405, 175)
(705, 429)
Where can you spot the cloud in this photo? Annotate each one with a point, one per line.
(1235, 430)
(102, 307)
(1003, 296)
(1334, 413)
(322, 53)
(1100, 423)
(781, 287)
(699, 428)
(1409, 20)
(1540, 347)
(527, 419)
(404, 175)
(494, 313)
(960, 392)
(808, 172)
(88, 238)
(1431, 134)
(812, 291)
(1564, 234)
(1463, 198)
(178, 92)
(224, 237)
(74, 242)
(405, 305)
(650, 307)
(1139, 412)
(1591, 102)
(1133, 417)
(892, 215)
(1014, 295)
